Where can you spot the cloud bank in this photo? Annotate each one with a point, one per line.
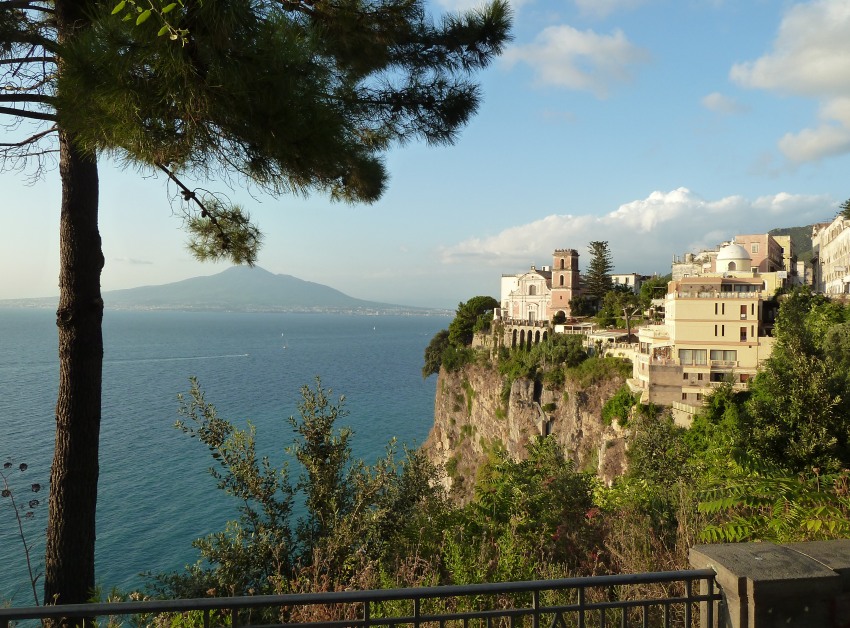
(644, 235)
(810, 58)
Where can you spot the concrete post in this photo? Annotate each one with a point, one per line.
(804, 585)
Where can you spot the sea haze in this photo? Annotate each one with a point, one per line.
(155, 496)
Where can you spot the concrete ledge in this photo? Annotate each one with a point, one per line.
(765, 585)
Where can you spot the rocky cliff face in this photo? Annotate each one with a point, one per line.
(471, 416)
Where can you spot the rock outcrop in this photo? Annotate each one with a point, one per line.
(473, 413)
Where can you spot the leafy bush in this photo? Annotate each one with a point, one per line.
(619, 406)
(596, 369)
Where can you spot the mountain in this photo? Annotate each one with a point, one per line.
(801, 238)
(239, 288)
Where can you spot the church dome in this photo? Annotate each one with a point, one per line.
(733, 257)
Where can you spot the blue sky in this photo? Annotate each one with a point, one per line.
(661, 126)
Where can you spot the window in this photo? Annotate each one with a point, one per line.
(721, 355)
(532, 290)
(715, 312)
(718, 377)
(715, 330)
(743, 312)
(723, 305)
(561, 280)
(699, 396)
(562, 264)
(752, 309)
(699, 377)
(684, 396)
(754, 247)
(723, 330)
(743, 334)
(689, 357)
(684, 376)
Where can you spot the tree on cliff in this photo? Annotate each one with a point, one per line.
(448, 347)
(472, 316)
(294, 96)
(597, 280)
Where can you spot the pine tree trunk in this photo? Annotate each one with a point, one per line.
(69, 558)
(69, 561)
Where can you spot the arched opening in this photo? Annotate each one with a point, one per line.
(513, 339)
(537, 337)
(562, 263)
(732, 266)
(522, 339)
(545, 335)
(561, 280)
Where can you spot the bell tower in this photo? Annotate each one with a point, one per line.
(565, 279)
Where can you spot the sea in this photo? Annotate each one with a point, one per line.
(155, 494)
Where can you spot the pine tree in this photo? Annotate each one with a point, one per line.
(597, 281)
(293, 96)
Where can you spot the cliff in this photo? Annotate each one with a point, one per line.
(471, 416)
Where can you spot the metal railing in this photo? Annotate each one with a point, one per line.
(665, 599)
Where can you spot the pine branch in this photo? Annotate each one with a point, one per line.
(37, 98)
(25, 5)
(23, 113)
(32, 139)
(23, 60)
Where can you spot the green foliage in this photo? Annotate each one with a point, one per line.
(658, 452)
(450, 348)
(470, 395)
(455, 358)
(223, 232)
(597, 280)
(318, 79)
(619, 407)
(844, 210)
(524, 514)
(799, 416)
(355, 515)
(616, 305)
(761, 503)
(434, 353)
(653, 288)
(474, 313)
(595, 369)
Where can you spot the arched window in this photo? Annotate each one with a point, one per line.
(532, 290)
(561, 280)
(562, 263)
(732, 266)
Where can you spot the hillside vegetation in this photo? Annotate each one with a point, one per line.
(769, 464)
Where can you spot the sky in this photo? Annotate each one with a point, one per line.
(660, 126)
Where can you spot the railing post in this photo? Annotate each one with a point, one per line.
(535, 602)
(765, 585)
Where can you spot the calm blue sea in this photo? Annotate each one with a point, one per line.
(155, 496)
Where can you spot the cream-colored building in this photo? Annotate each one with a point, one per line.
(831, 256)
(538, 294)
(716, 329)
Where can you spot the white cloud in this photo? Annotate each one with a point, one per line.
(719, 103)
(643, 234)
(810, 58)
(583, 60)
(603, 8)
(827, 140)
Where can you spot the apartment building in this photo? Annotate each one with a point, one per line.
(715, 329)
(831, 256)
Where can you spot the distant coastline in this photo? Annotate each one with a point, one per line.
(240, 289)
